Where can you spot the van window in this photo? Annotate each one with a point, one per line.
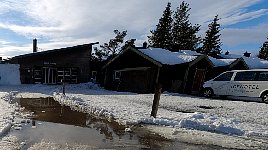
(263, 76)
(224, 77)
(246, 76)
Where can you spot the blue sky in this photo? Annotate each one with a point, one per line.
(62, 23)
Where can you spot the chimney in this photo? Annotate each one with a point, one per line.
(34, 45)
(246, 54)
(144, 45)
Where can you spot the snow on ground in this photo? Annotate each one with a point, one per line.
(10, 143)
(54, 146)
(8, 114)
(176, 112)
(203, 138)
(179, 111)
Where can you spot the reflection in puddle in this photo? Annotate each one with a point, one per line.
(59, 124)
(46, 109)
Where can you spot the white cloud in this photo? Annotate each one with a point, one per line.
(66, 22)
(234, 36)
(229, 11)
(10, 50)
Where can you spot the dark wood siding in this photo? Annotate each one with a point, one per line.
(133, 80)
(202, 64)
(172, 76)
(138, 81)
(72, 57)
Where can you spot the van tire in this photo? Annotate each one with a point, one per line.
(208, 92)
(264, 97)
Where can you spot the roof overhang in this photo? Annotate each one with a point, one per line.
(130, 48)
(54, 50)
(199, 58)
(237, 61)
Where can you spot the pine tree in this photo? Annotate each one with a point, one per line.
(98, 55)
(183, 32)
(263, 53)
(161, 37)
(212, 43)
(112, 48)
(129, 43)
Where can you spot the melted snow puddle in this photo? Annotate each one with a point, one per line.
(53, 125)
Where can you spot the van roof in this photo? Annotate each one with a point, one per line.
(248, 70)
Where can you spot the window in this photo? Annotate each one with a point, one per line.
(263, 76)
(224, 77)
(117, 75)
(245, 76)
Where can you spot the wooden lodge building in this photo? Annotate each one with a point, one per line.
(140, 69)
(71, 64)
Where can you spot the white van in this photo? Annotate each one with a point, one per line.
(249, 83)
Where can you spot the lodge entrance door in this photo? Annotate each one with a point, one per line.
(198, 80)
(50, 75)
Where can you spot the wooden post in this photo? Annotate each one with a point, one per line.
(63, 83)
(63, 86)
(157, 94)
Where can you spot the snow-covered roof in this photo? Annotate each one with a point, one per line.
(190, 52)
(230, 56)
(167, 57)
(256, 63)
(221, 62)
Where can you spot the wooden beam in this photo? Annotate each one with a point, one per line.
(185, 79)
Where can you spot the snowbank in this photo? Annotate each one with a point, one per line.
(6, 113)
(9, 74)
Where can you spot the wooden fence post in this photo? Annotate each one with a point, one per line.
(63, 86)
(157, 94)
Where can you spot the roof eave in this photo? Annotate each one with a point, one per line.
(199, 58)
(135, 51)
